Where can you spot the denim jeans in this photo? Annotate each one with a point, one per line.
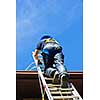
(54, 62)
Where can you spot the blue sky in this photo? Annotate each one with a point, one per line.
(62, 19)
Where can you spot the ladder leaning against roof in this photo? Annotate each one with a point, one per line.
(54, 91)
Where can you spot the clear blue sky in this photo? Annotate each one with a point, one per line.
(63, 19)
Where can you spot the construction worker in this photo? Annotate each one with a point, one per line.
(53, 58)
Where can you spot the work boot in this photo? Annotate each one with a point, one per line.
(64, 81)
(56, 78)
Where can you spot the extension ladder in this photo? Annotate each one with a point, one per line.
(54, 91)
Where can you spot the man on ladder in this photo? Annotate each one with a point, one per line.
(53, 58)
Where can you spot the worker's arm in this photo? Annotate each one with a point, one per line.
(35, 54)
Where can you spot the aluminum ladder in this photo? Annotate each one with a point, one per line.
(54, 91)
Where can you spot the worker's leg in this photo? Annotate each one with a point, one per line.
(59, 65)
(59, 62)
(48, 62)
(50, 72)
(53, 73)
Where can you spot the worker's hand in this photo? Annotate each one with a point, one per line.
(39, 62)
(33, 53)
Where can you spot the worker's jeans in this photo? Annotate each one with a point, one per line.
(54, 62)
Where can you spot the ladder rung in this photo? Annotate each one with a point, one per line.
(62, 89)
(59, 92)
(64, 97)
(46, 78)
(53, 85)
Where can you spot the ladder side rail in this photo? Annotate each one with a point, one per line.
(46, 89)
(75, 92)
